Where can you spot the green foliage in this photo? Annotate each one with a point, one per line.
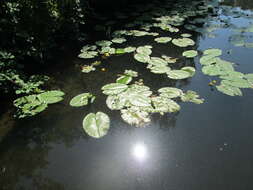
(33, 104)
(82, 99)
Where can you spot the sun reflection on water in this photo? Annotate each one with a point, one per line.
(140, 152)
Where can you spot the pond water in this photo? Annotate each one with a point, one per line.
(206, 146)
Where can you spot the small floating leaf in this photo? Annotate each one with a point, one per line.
(51, 97)
(104, 43)
(229, 90)
(213, 52)
(183, 42)
(170, 92)
(124, 79)
(190, 53)
(190, 70)
(163, 39)
(131, 73)
(191, 96)
(144, 50)
(164, 104)
(114, 88)
(142, 57)
(135, 116)
(118, 40)
(96, 125)
(178, 74)
(129, 49)
(81, 99)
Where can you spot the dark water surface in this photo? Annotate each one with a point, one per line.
(203, 147)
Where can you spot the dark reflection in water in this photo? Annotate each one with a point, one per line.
(204, 146)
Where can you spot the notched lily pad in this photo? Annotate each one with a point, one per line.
(82, 100)
(96, 125)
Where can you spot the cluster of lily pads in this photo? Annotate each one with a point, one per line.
(36, 103)
(159, 65)
(136, 101)
(231, 80)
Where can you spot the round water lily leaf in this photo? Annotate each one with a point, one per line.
(88, 54)
(208, 60)
(104, 43)
(160, 69)
(213, 52)
(119, 40)
(131, 73)
(163, 39)
(178, 74)
(157, 61)
(191, 96)
(96, 125)
(135, 116)
(229, 90)
(129, 49)
(211, 70)
(124, 79)
(186, 35)
(237, 82)
(115, 102)
(170, 92)
(51, 97)
(183, 42)
(190, 70)
(114, 88)
(144, 50)
(80, 100)
(139, 100)
(143, 58)
(190, 53)
(164, 104)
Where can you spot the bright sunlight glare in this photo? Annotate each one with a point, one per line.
(139, 151)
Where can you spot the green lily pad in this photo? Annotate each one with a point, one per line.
(124, 79)
(129, 49)
(139, 100)
(237, 82)
(131, 73)
(208, 59)
(163, 105)
(159, 69)
(170, 92)
(190, 70)
(88, 54)
(96, 125)
(213, 52)
(191, 96)
(229, 90)
(178, 74)
(51, 97)
(104, 43)
(190, 53)
(143, 58)
(119, 40)
(81, 99)
(135, 116)
(157, 61)
(183, 42)
(115, 102)
(144, 50)
(114, 88)
(163, 39)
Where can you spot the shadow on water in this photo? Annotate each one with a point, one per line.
(201, 147)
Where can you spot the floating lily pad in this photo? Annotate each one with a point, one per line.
(129, 49)
(163, 39)
(104, 43)
(208, 59)
(131, 73)
(157, 61)
(190, 53)
(51, 97)
(190, 70)
(159, 69)
(144, 50)
(135, 116)
(163, 105)
(115, 102)
(114, 88)
(119, 40)
(213, 52)
(96, 125)
(178, 74)
(87, 68)
(191, 96)
(183, 42)
(140, 100)
(144, 58)
(229, 90)
(170, 92)
(81, 99)
(237, 82)
(124, 79)
(88, 54)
